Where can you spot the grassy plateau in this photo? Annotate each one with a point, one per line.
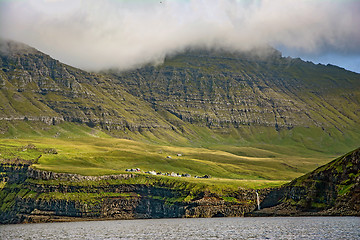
(72, 148)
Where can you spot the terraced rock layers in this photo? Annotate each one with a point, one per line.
(29, 195)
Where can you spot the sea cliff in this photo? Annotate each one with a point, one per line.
(332, 189)
(30, 195)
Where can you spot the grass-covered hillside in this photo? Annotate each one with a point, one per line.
(78, 149)
(236, 117)
(332, 189)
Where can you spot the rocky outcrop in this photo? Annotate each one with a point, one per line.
(30, 195)
(46, 175)
(333, 189)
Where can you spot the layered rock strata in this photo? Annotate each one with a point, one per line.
(333, 189)
(30, 195)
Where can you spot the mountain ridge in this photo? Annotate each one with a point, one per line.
(58, 92)
(227, 96)
(239, 83)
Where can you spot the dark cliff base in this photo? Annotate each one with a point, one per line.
(118, 209)
(33, 196)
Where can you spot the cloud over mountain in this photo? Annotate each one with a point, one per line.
(102, 34)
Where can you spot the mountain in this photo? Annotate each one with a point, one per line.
(36, 88)
(197, 97)
(333, 189)
(248, 120)
(267, 99)
(221, 90)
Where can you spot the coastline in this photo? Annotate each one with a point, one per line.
(34, 196)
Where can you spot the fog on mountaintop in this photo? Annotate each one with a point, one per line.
(96, 35)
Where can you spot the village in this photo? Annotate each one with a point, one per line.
(172, 174)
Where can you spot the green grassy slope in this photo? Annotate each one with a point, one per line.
(92, 153)
(334, 186)
(231, 116)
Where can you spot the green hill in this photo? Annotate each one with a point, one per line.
(333, 189)
(230, 115)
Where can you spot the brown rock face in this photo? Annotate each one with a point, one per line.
(38, 196)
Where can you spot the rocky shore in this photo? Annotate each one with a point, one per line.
(30, 195)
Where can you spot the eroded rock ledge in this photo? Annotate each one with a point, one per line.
(31, 195)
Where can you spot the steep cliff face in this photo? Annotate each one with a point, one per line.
(333, 189)
(215, 89)
(220, 89)
(35, 87)
(29, 195)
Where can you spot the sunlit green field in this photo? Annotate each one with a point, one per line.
(77, 149)
(246, 166)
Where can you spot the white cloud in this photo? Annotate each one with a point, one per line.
(96, 34)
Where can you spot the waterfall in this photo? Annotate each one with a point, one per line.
(258, 200)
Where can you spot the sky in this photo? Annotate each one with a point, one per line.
(101, 34)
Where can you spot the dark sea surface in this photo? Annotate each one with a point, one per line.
(195, 228)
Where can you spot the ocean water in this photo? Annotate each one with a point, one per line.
(195, 228)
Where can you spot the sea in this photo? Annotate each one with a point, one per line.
(193, 228)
